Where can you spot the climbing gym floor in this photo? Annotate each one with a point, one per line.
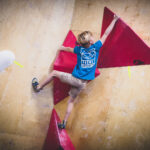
(112, 113)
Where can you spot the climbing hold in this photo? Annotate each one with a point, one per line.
(123, 46)
(57, 139)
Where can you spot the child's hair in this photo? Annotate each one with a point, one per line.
(84, 38)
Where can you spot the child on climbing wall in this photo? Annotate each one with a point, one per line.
(87, 56)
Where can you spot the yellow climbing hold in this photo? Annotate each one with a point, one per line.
(18, 64)
(129, 71)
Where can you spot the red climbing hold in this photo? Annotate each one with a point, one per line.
(65, 62)
(123, 46)
(57, 139)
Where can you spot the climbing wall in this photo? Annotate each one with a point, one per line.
(33, 30)
(111, 113)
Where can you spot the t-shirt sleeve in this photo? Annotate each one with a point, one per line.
(76, 50)
(98, 45)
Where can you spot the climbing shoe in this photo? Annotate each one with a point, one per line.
(62, 125)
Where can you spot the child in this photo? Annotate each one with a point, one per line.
(87, 56)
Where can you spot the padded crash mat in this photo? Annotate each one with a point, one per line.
(65, 62)
(57, 139)
(123, 46)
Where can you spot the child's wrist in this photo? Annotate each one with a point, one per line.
(116, 18)
(62, 48)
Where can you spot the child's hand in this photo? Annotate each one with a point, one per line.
(61, 48)
(69, 49)
(116, 17)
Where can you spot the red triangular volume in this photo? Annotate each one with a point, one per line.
(65, 62)
(123, 46)
(57, 139)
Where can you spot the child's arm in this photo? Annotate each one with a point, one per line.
(109, 29)
(69, 49)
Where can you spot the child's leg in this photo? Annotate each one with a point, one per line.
(68, 112)
(69, 108)
(51, 76)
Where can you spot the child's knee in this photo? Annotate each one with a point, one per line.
(55, 73)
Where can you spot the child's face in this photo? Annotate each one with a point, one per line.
(92, 40)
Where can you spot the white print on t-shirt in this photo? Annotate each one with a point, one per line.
(88, 58)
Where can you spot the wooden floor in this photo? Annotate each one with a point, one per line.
(112, 113)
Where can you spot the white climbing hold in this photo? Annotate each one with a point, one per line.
(6, 59)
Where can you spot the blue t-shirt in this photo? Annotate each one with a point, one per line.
(86, 61)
